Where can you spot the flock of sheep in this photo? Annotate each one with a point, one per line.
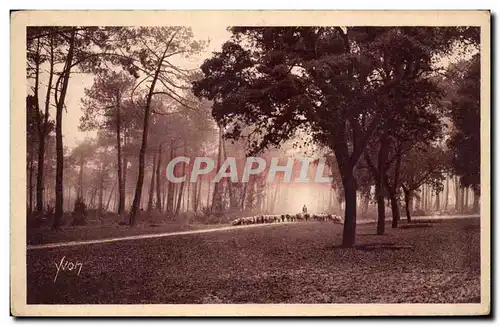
(260, 219)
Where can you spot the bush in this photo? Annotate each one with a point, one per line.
(79, 212)
(36, 220)
(206, 210)
(206, 216)
(152, 217)
(183, 217)
(419, 212)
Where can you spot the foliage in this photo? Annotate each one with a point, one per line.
(109, 91)
(306, 76)
(339, 84)
(424, 164)
(79, 212)
(465, 142)
(150, 50)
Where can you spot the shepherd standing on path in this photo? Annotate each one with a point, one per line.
(304, 212)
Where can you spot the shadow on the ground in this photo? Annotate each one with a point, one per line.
(381, 246)
(373, 234)
(472, 228)
(425, 221)
(416, 225)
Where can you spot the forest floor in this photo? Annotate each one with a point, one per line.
(434, 261)
(109, 229)
(46, 235)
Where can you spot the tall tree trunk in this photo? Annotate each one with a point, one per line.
(152, 185)
(43, 129)
(92, 198)
(40, 175)
(216, 198)
(466, 200)
(158, 180)
(446, 193)
(457, 194)
(115, 204)
(30, 184)
(144, 143)
(101, 190)
(438, 201)
(69, 199)
(424, 197)
(198, 196)
(251, 196)
(164, 192)
(41, 136)
(233, 201)
(395, 210)
(181, 189)
(349, 232)
(393, 191)
(120, 162)
(380, 208)
(346, 165)
(170, 194)
(378, 173)
(461, 199)
(164, 195)
(188, 193)
(109, 197)
(275, 197)
(176, 192)
(364, 209)
(330, 200)
(475, 205)
(125, 172)
(418, 201)
(407, 194)
(59, 140)
(194, 202)
(185, 198)
(429, 198)
(243, 196)
(80, 178)
(428, 203)
(208, 193)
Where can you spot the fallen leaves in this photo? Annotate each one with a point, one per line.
(282, 263)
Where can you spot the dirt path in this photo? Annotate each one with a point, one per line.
(142, 236)
(168, 234)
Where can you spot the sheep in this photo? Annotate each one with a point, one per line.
(261, 219)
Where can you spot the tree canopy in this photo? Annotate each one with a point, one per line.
(339, 83)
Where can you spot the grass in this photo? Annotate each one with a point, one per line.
(291, 263)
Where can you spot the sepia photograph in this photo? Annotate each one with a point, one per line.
(250, 163)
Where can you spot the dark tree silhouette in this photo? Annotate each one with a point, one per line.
(107, 98)
(465, 141)
(327, 80)
(151, 51)
(423, 164)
